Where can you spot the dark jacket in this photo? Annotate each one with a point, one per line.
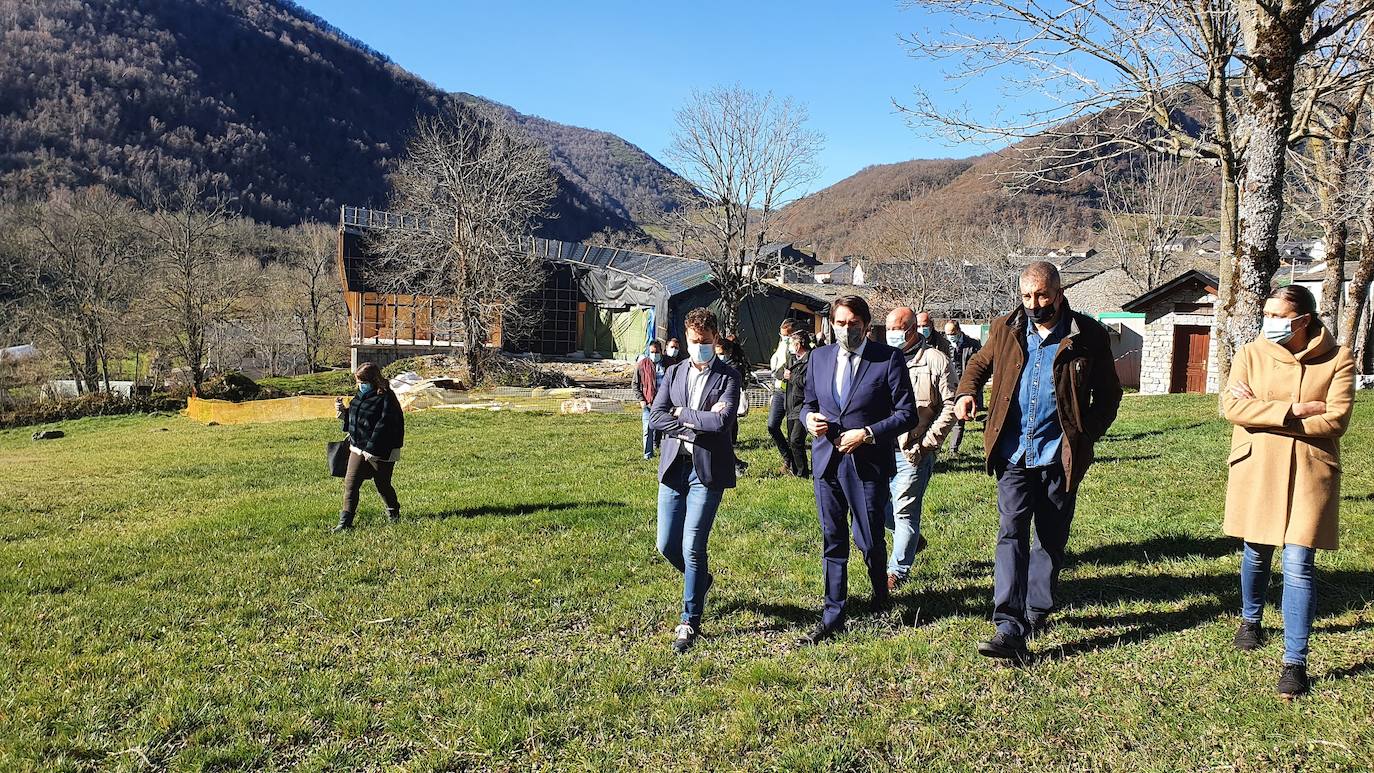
(646, 381)
(375, 424)
(712, 433)
(961, 354)
(1086, 388)
(879, 398)
(796, 388)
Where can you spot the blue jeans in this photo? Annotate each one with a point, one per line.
(1299, 605)
(686, 510)
(650, 435)
(904, 511)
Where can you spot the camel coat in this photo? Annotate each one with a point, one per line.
(1284, 484)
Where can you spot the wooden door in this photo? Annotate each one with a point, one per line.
(1191, 343)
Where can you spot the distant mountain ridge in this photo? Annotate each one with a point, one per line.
(265, 101)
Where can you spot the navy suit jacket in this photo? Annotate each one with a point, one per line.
(711, 432)
(879, 398)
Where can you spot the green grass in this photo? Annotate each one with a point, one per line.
(170, 597)
(329, 382)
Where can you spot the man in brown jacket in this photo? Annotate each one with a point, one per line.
(933, 383)
(1055, 395)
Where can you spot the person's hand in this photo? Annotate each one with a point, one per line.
(963, 408)
(719, 407)
(786, 374)
(817, 424)
(643, 403)
(338, 406)
(677, 412)
(1241, 391)
(851, 440)
(1313, 408)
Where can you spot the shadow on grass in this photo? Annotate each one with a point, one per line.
(1134, 436)
(784, 616)
(1156, 548)
(1127, 458)
(1350, 672)
(1359, 497)
(523, 509)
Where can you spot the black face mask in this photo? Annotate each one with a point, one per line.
(1041, 314)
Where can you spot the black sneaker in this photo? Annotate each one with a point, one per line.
(1293, 681)
(1005, 646)
(920, 542)
(1250, 635)
(686, 636)
(819, 634)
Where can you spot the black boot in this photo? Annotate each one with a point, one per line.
(345, 522)
(393, 514)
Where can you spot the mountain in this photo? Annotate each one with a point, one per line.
(262, 99)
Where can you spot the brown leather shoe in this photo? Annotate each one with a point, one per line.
(893, 582)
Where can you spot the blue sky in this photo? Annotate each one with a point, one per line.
(624, 67)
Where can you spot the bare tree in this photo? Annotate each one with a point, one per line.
(1124, 75)
(88, 265)
(911, 263)
(312, 284)
(468, 194)
(1351, 332)
(748, 154)
(1148, 205)
(196, 283)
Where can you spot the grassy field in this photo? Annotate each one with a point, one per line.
(170, 597)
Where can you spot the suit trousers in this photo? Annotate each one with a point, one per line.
(845, 502)
(1025, 575)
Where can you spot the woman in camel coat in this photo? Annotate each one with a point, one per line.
(1289, 396)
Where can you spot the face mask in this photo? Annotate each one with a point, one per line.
(955, 338)
(1278, 329)
(851, 337)
(925, 330)
(672, 351)
(701, 353)
(1041, 314)
(364, 388)
(896, 339)
(655, 356)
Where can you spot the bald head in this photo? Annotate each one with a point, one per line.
(901, 320)
(1042, 273)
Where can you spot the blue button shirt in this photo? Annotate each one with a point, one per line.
(1035, 412)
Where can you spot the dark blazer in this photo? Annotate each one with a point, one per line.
(796, 388)
(879, 398)
(375, 423)
(712, 433)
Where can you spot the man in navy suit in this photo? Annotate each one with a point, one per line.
(695, 411)
(858, 400)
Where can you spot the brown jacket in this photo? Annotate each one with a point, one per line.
(1086, 388)
(1284, 484)
(932, 381)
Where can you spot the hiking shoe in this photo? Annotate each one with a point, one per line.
(1250, 635)
(1293, 681)
(1005, 646)
(686, 636)
(819, 634)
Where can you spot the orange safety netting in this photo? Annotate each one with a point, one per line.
(258, 411)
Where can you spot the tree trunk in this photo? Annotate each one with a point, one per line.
(1335, 237)
(1357, 298)
(1227, 267)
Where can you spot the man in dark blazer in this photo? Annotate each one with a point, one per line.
(695, 410)
(858, 400)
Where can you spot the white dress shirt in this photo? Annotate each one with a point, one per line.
(846, 366)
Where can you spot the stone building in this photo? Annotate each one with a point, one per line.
(1177, 351)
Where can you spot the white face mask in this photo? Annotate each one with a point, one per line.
(672, 351)
(1279, 329)
(896, 339)
(701, 353)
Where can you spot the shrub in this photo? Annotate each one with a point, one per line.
(97, 404)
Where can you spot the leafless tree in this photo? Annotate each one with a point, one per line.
(312, 285)
(1123, 75)
(1148, 205)
(911, 262)
(468, 192)
(1355, 314)
(87, 262)
(747, 154)
(197, 284)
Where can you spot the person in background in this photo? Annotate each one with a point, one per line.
(1289, 395)
(800, 344)
(376, 431)
(672, 352)
(779, 365)
(932, 384)
(729, 350)
(925, 325)
(648, 375)
(858, 400)
(961, 350)
(695, 410)
(1056, 395)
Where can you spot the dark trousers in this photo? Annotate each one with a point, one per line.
(837, 499)
(1025, 575)
(777, 415)
(798, 440)
(359, 470)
